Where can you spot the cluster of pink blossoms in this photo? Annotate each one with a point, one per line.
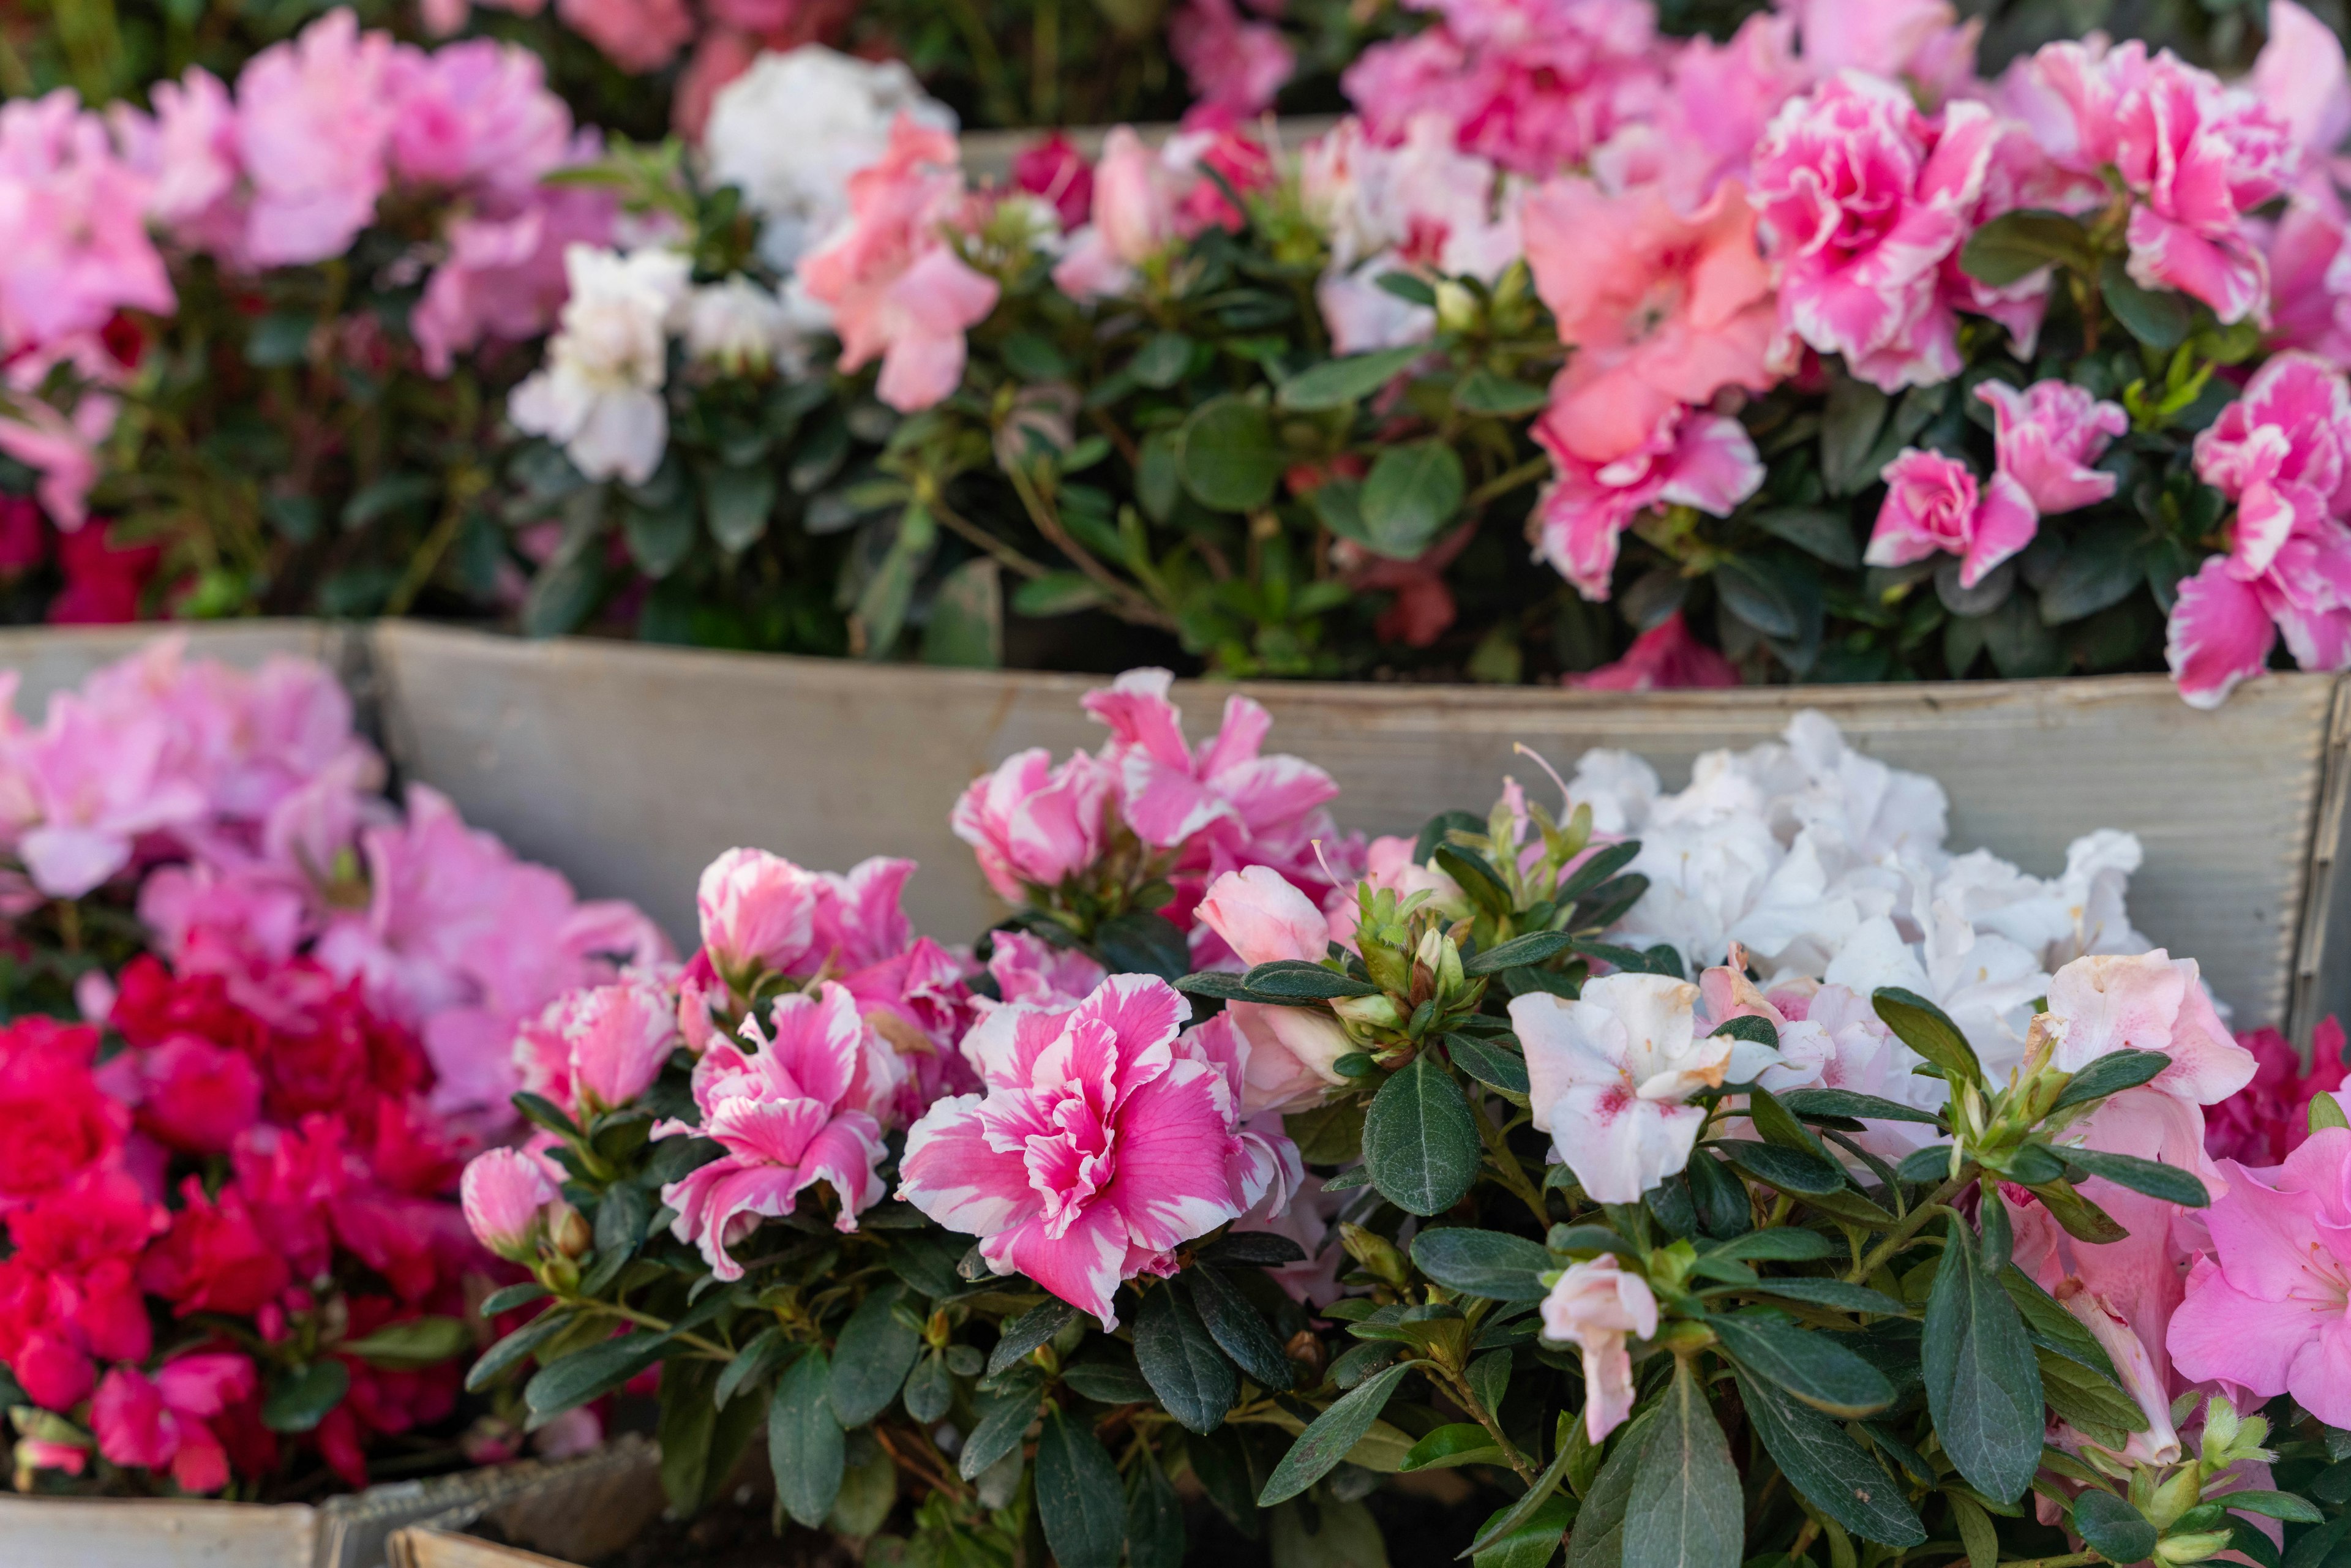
(285, 170)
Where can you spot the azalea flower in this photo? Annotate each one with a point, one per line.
(506, 1194)
(1033, 823)
(1664, 658)
(161, 1423)
(1594, 1306)
(1611, 1075)
(1690, 459)
(600, 394)
(1292, 1051)
(1933, 504)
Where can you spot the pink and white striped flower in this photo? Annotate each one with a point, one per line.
(790, 1112)
(1103, 1141)
(1934, 504)
(1170, 793)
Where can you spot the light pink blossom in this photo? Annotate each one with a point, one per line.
(784, 1114)
(1292, 1051)
(2147, 1001)
(1137, 213)
(2199, 156)
(476, 116)
(314, 118)
(160, 1422)
(1863, 199)
(1029, 969)
(1718, 98)
(1923, 39)
(2266, 1314)
(638, 36)
(1230, 62)
(1933, 503)
(77, 247)
(1691, 459)
(2047, 437)
(1664, 658)
(1662, 310)
(1034, 824)
(898, 291)
(1102, 1143)
(2124, 1293)
(2299, 77)
(504, 276)
(614, 1039)
(1593, 1306)
(1610, 1077)
(505, 1194)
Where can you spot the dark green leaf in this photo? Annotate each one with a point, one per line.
(1861, 1107)
(2014, 246)
(1535, 947)
(1107, 1375)
(1056, 593)
(1230, 459)
(1781, 1246)
(281, 338)
(1807, 1362)
(736, 503)
(1685, 1508)
(515, 1347)
(589, 1373)
(621, 1220)
(1032, 1328)
(1983, 1387)
(1754, 594)
(1483, 391)
(1815, 530)
(1331, 1436)
(1140, 942)
(806, 1446)
(2168, 1183)
(2113, 1528)
(1832, 1471)
(1928, 1030)
(1487, 1263)
(876, 1350)
(1295, 980)
(1534, 1541)
(300, 1399)
(1004, 1416)
(412, 1344)
(1079, 1499)
(766, 1351)
(965, 629)
(1854, 413)
(2157, 317)
(1789, 1170)
(1154, 1521)
(2102, 566)
(2111, 1074)
(1753, 1029)
(1420, 1143)
(1599, 1538)
(1489, 1062)
(1181, 1362)
(1238, 1329)
(1411, 493)
(2277, 1505)
(1335, 383)
(1162, 361)
(1257, 1249)
(1833, 1293)
(1462, 1443)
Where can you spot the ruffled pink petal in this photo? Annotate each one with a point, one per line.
(952, 1172)
(1173, 1142)
(1083, 1265)
(2219, 635)
(2005, 523)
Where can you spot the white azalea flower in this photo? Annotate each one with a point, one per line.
(600, 393)
(1610, 1074)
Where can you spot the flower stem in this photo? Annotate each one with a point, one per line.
(1899, 1237)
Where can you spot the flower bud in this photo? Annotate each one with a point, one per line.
(2192, 1548)
(572, 1237)
(1457, 307)
(1368, 1012)
(620, 1036)
(757, 911)
(1375, 1252)
(505, 1194)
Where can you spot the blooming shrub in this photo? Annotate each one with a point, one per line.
(232, 1253)
(1547, 1147)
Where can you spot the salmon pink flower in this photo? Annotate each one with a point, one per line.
(785, 1113)
(161, 1422)
(1034, 824)
(315, 118)
(2147, 1001)
(638, 36)
(1609, 1076)
(1230, 63)
(1661, 310)
(1863, 199)
(1030, 970)
(1593, 1306)
(1692, 458)
(1136, 215)
(898, 291)
(2269, 1313)
(1292, 1051)
(1664, 658)
(1718, 100)
(506, 1193)
(2048, 435)
(1102, 1143)
(1933, 503)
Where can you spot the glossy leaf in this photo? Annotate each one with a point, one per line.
(1685, 1510)
(1807, 1362)
(1079, 1499)
(875, 1350)
(1832, 1471)
(806, 1448)
(1329, 1436)
(1487, 1263)
(1420, 1143)
(1181, 1362)
(1983, 1387)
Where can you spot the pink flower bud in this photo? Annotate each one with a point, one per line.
(1263, 918)
(2048, 434)
(503, 1193)
(757, 909)
(1593, 1306)
(620, 1036)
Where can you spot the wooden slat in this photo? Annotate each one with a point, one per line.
(631, 767)
(72, 1532)
(421, 1547)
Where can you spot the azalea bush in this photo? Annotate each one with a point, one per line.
(1700, 1177)
(258, 1017)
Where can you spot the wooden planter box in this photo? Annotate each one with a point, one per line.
(576, 1508)
(630, 767)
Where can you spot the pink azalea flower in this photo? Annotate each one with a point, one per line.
(1053, 169)
(2147, 1001)
(63, 450)
(1890, 38)
(161, 1421)
(2310, 275)
(1863, 199)
(1609, 1076)
(314, 118)
(1664, 658)
(77, 247)
(898, 291)
(613, 1040)
(1662, 310)
(189, 151)
(1719, 98)
(1292, 1051)
(1034, 824)
(2048, 435)
(2198, 157)
(92, 783)
(505, 1193)
(1169, 794)
(1031, 971)
(1102, 1143)
(784, 1114)
(757, 911)
(196, 1095)
(2299, 77)
(1933, 504)
(638, 36)
(1136, 215)
(504, 278)
(1230, 63)
(2266, 1314)
(477, 115)
(2269, 1117)
(1593, 1306)
(1691, 459)
(2282, 453)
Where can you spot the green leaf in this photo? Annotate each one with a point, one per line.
(2014, 246)
(1861, 1107)
(1928, 1030)
(412, 1344)
(1757, 1032)
(1239, 1328)
(1335, 383)
(1329, 1436)
(1789, 1170)
(806, 1446)
(764, 1350)
(568, 586)
(1484, 1263)
(1142, 942)
(1462, 1442)
(1599, 1538)
(585, 1375)
(1296, 980)
(1411, 493)
(1107, 1376)
(1781, 1246)
(1850, 422)
(1834, 1293)
(1154, 1521)
(2157, 317)
(1834, 1473)
(281, 338)
(1420, 1143)
(2277, 1505)
(1976, 1531)
(2113, 1528)
(300, 1399)
(1534, 1541)
(1161, 362)
(875, 1350)
(1032, 1328)
(515, 1347)
(1004, 1416)
(1534, 948)
(1753, 591)
(1815, 530)
(659, 538)
(1685, 1508)
(2326, 1111)
(1482, 392)
(868, 1490)
(1229, 460)
(737, 504)
(965, 629)
(1491, 1062)
(1181, 1362)
(1807, 1362)
(1079, 1499)
(1983, 1387)
(2102, 566)
(2167, 1182)
(1056, 593)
